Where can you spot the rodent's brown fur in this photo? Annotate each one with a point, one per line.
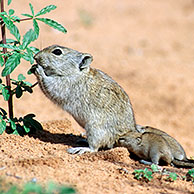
(153, 147)
(177, 150)
(92, 97)
(100, 106)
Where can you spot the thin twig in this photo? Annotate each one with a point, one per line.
(34, 85)
(21, 20)
(23, 90)
(24, 19)
(15, 176)
(8, 81)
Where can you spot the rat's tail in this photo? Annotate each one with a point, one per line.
(187, 163)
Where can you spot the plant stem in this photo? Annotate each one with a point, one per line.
(8, 81)
(25, 19)
(34, 85)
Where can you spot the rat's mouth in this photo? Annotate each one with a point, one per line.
(49, 71)
(33, 68)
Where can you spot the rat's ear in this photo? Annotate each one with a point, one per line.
(85, 61)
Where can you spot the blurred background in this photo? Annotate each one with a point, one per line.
(147, 46)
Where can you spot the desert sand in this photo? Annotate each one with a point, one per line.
(148, 48)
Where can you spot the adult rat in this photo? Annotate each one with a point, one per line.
(92, 97)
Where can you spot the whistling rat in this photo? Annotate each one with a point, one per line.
(151, 147)
(93, 98)
(177, 150)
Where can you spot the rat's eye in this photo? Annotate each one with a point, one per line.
(57, 52)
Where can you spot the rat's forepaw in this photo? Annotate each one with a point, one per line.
(79, 150)
(40, 71)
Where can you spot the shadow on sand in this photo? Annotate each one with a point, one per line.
(58, 138)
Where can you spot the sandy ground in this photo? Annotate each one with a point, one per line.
(147, 47)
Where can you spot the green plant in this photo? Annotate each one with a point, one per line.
(172, 177)
(190, 175)
(143, 174)
(13, 51)
(34, 188)
(155, 168)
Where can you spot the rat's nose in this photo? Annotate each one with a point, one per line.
(36, 56)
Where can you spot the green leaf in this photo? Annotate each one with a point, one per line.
(190, 175)
(143, 174)
(12, 190)
(1, 86)
(28, 38)
(27, 15)
(66, 190)
(21, 77)
(11, 63)
(19, 91)
(15, 133)
(32, 9)
(191, 172)
(3, 112)
(172, 176)
(19, 130)
(32, 123)
(30, 54)
(27, 83)
(36, 28)
(9, 2)
(32, 70)
(27, 88)
(27, 129)
(2, 126)
(29, 72)
(14, 81)
(1, 61)
(25, 56)
(154, 167)
(4, 13)
(52, 24)
(46, 10)
(34, 49)
(11, 27)
(5, 93)
(8, 46)
(11, 41)
(51, 187)
(29, 116)
(11, 12)
(8, 41)
(13, 125)
(15, 18)
(32, 188)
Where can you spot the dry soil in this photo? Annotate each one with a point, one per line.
(147, 46)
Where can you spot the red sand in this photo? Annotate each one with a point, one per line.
(148, 48)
